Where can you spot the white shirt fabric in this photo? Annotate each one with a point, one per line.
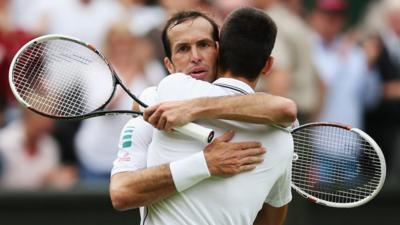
(217, 200)
(21, 171)
(134, 140)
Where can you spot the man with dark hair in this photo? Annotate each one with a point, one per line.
(192, 44)
(258, 196)
(251, 49)
(181, 18)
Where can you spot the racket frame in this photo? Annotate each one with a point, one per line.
(95, 113)
(374, 145)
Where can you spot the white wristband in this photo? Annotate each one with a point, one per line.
(189, 171)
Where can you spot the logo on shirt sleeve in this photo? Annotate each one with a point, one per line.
(127, 137)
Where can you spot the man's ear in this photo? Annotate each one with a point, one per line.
(169, 65)
(268, 66)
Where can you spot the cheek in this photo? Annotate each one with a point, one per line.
(212, 57)
(180, 62)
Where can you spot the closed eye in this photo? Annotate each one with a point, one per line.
(204, 44)
(183, 48)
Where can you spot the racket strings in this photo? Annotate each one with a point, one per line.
(62, 78)
(334, 164)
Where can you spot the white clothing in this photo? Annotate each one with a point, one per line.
(97, 137)
(216, 200)
(21, 171)
(132, 153)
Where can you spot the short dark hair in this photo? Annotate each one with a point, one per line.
(181, 17)
(246, 41)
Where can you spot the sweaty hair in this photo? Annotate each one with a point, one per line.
(246, 41)
(181, 17)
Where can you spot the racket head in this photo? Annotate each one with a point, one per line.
(61, 77)
(336, 165)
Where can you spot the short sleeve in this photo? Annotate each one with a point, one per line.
(134, 140)
(281, 193)
(149, 96)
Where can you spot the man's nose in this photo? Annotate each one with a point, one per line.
(195, 55)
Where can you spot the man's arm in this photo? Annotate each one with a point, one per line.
(256, 108)
(270, 215)
(132, 189)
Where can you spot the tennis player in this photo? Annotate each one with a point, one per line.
(246, 34)
(132, 185)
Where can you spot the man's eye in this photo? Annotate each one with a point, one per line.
(183, 49)
(204, 44)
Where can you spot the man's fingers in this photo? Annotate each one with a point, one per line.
(161, 123)
(252, 160)
(248, 144)
(168, 126)
(253, 152)
(247, 168)
(149, 111)
(154, 118)
(227, 136)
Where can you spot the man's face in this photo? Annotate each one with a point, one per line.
(193, 50)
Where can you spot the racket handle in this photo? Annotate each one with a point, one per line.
(203, 134)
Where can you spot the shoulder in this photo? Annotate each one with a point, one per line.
(178, 79)
(180, 86)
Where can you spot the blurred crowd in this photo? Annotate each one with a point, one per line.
(334, 71)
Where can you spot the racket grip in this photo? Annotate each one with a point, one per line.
(203, 134)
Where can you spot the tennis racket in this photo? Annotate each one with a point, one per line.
(65, 78)
(336, 165)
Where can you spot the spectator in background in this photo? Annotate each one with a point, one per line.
(31, 156)
(97, 138)
(383, 48)
(142, 16)
(11, 39)
(2, 110)
(224, 7)
(294, 74)
(341, 64)
(88, 20)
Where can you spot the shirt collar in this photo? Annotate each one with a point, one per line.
(234, 84)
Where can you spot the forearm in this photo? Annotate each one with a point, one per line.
(146, 186)
(138, 188)
(255, 108)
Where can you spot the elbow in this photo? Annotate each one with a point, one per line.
(122, 200)
(288, 113)
(119, 202)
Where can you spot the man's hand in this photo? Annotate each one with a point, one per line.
(227, 159)
(168, 115)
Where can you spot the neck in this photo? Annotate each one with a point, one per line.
(252, 84)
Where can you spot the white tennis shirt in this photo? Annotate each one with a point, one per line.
(217, 201)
